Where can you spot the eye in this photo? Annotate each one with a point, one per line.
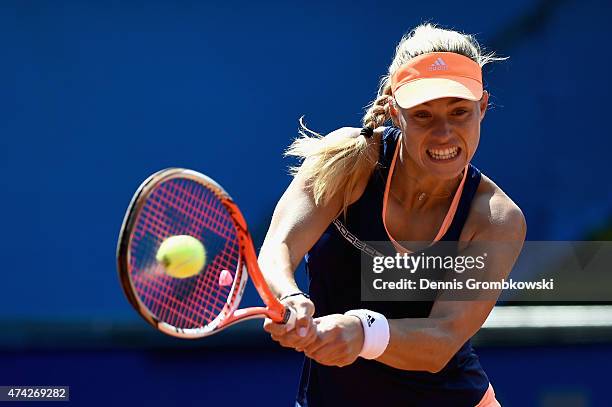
(460, 111)
(422, 114)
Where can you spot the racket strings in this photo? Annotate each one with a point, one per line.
(219, 222)
(183, 207)
(182, 289)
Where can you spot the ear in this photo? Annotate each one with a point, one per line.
(393, 111)
(484, 103)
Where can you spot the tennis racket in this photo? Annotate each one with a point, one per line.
(178, 201)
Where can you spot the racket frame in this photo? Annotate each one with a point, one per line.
(247, 265)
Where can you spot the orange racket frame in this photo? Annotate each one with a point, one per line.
(248, 265)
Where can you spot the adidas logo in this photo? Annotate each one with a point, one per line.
(439, 65)
(370, 320)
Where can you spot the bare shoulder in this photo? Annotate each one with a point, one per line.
(494, 214)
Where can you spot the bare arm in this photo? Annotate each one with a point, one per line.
(297, 223)
(452, 323)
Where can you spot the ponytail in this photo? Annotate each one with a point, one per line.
(337, 162)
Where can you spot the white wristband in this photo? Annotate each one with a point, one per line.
(375, 330)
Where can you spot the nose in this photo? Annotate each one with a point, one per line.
(442, 129)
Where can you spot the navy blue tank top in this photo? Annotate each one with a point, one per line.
(333, 266)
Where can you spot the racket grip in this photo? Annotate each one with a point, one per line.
(289, 319)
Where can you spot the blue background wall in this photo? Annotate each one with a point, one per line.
(100, 94)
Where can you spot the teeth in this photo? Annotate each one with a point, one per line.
(444, 154)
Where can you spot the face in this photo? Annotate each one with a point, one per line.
(441, 136)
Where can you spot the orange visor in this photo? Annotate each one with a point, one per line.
(436, 75)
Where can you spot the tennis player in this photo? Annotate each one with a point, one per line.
(412, 181)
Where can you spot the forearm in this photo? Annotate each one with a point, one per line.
(296, 225)
(424, 344)
(278, 268)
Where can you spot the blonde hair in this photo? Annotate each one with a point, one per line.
(338, 161)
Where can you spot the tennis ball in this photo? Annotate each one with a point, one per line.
(182, 256)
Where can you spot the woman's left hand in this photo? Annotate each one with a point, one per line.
(339, 340)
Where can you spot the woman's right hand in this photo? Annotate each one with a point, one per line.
(304, 332)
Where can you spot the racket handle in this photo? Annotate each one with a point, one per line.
(289, 318)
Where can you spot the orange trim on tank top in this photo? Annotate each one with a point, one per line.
(448, 219)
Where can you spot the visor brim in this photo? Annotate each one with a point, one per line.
(426, 89)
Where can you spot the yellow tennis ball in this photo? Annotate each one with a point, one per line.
(182, 256)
